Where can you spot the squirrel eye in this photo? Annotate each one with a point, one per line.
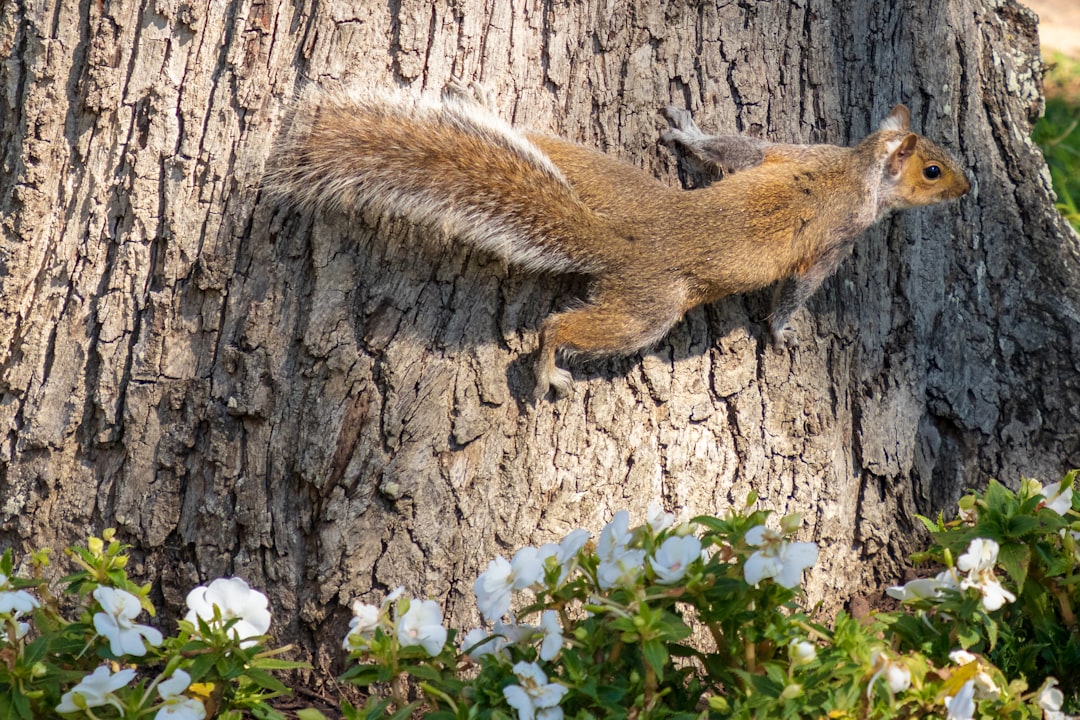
(931, 172)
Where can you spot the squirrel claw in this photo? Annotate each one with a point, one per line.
(472, 92)
(784, 337)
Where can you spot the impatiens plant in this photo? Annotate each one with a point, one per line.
(104, 664)
(689, 620)
(692, 620)
(1026, 539)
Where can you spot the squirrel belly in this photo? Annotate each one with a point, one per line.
(782, 213)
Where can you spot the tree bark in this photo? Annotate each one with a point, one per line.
(321, 406)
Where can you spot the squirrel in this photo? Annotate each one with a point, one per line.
(782, 213)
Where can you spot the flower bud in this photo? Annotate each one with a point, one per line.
(719, 704)
(1030, 487)
(792, 691)
(791, 523)
(802, 652)
(897, 677)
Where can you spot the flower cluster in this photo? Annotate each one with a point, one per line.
(1007, 595)
(583, 629)
(978, 562)
(145, 674)
(226, 605)
(413, 623)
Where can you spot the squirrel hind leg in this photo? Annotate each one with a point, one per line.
(600, 328)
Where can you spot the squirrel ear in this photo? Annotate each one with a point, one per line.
(899, 152)
(898, 119)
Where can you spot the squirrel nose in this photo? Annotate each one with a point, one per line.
(966, 188)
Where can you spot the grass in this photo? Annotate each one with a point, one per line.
(1058, 133)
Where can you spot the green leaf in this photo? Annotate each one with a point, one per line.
(265, 712)
(279, 664)
(1000, 499)
(1020, 525)
(656, 655)
(405, 711)
(1015, 558)
(310, 714)
(423, 672)
(265, 680)
(929, 524)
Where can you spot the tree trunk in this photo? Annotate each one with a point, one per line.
(317, 404)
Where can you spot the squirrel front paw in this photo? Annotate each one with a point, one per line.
(783, 337)
(682, 123)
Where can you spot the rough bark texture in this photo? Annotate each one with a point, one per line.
(325, 408)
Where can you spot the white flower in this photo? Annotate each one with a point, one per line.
(994, 595)
(962, 706)
(657, 519)
(571, 545)
(1058, 500)
(422, 625)
(622, 570)
(565, 553)
(366, 617)
(896, 675)
(493, 589)
(479, 642)
(96, 689)
(962, 657)
(978, 562)
(802, 652)
(619, 565)
(15, 601)
(181, 708)
(949, 579)
(116, 622)
(673, 557)
(551, 632)
(984, 684)
(1050, 700)
(981, 555)
(175, 686)
(496, 585)
(178, 706)
(363, 624)
(535, 697)
(777, 558)
(921, 589)
(233, 599)
(614, 537)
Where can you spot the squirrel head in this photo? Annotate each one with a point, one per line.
(916, 172)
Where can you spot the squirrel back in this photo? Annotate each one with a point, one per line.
(785, 214)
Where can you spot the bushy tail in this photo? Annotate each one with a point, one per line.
(451, 164)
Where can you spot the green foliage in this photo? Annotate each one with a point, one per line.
(717, 645)
(47, 658)
(1036, 636)
(683, 621)
(1058, 133)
